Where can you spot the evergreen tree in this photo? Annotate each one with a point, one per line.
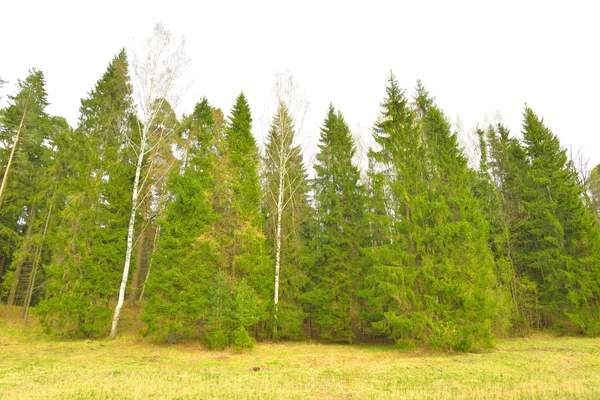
(187, 256)
(232, 309)
(244, 161)
(205, 257)
(83, 276)
(560, 242)
(45, 229)
(244, 241)
(434, 282)
(506, 171)
(27, 133)
(338, 271)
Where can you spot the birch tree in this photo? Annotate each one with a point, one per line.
(156, 79)
(286, 180)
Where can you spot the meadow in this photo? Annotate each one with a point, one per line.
(34, 365)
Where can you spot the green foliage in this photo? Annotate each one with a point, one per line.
(27, 185)
(232, 309)
(242, 340)
(434, 282)
(242, 238)
(419, 249)
(187, 256)
(337, 274)
(545, 238)
(560, 240)
(244, 161)
(286, 184)
(85, 268)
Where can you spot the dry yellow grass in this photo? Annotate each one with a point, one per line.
(36, 366)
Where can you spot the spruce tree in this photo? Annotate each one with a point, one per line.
(505, 169)
(27, 133)
(187, 255)
(433, 283)
(337, 274)
(244, 159)
(52, 195)
(456, 238)
(560, 242)
(245, 242)
(83, 277)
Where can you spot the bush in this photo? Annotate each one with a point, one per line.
(242, 340)
(216, 339)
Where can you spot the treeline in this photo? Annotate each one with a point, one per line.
(185, 219)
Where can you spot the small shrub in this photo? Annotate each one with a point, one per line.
(242, 340)
(216, 339)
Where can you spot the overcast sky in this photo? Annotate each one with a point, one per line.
(480, 59)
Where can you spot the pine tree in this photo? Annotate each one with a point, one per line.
(338, 271)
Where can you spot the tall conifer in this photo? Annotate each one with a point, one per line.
(83, 277)
(434, 282)
(339, 212)
(560, 243)
(187, 256)
(27, 132)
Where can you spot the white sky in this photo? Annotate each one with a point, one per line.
(479, 58)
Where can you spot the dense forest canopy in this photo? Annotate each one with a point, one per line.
(209, 235)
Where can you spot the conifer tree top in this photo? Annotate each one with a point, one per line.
(239, 134)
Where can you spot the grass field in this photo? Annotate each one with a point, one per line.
(37, 366)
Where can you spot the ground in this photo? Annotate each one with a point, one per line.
(38, 366)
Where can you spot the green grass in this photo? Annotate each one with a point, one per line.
(37, 366)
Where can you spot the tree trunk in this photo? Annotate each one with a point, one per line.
(156, 232)
(139, 259)
(134, 200)
(278, 238)
(12, 153)
(19, 266)
(36, 263)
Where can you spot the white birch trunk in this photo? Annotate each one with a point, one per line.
(134, 199)
(278, 245)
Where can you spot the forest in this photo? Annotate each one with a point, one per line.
(211, 236)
